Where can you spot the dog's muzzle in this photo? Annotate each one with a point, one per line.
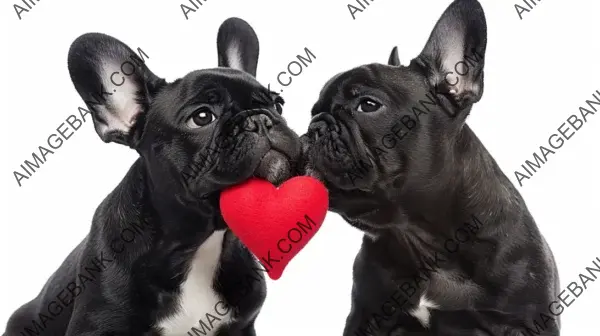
(259, 121)
(275, 165)
(321, 124)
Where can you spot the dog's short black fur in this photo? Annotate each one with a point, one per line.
(392, 146)
(173, 126)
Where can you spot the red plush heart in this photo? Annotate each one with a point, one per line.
(275, 223)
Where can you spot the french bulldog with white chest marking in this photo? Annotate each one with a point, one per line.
(450, 248)
(183, 272)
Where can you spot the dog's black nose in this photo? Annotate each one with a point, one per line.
(257, 123)
(321, 124)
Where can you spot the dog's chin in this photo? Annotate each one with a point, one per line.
(343, 180)
(274, 167)
(309, 170)
(337, 171)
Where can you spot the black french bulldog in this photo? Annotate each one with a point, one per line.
(159, 259)
(449, 246)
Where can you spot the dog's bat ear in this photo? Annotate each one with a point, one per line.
(454, 55)
(237, 46)
(115, 84)
(394, 59)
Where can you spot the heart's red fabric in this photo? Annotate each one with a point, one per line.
(275, 223)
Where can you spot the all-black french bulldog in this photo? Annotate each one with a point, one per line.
(159, 259)
(450, 247)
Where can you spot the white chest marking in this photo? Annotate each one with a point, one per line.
(199, 305)
(421, 312)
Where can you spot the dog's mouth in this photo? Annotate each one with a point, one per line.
(337, 155)
(275, 167)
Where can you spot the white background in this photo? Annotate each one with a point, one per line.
(539, 70)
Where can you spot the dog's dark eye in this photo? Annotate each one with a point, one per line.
(368, 105)
(201, 117)
(279, 104)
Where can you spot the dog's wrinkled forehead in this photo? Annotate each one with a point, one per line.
(212, 86)
(367, 79)
(345, 84)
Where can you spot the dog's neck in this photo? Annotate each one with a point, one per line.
(170, 219)
(466, 182)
